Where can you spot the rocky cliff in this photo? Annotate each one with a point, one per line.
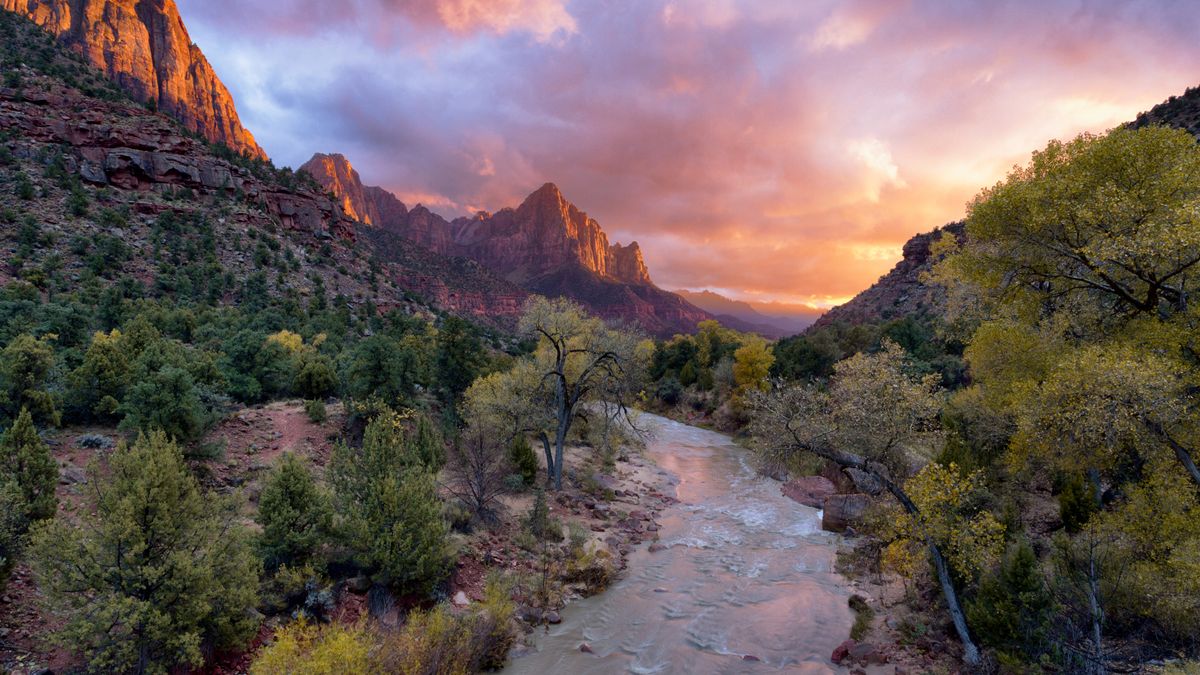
(144, 47)
(546, 245)
(900, 292)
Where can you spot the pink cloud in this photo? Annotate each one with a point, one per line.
(716, 133)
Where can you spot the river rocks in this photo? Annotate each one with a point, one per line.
(656, 547)
(842, 651)
(809, 490)
(867, 654)
(553, 618)
(586, 648)
(843, 511)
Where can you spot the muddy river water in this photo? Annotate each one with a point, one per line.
(745, 585)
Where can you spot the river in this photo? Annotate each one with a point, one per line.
(747, 574)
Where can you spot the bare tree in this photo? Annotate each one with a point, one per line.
(476, 472)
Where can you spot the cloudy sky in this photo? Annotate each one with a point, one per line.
(766, 149)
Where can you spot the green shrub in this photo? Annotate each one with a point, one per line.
(294, 513)
(25, 190)
(316, 377)
(863, 616)
(670, 391)
(523, 460)
(155, 572)
(26, 367)
(1012, 610)
(315, 409)
(1076, 502)
(539, 523)
(168, 400)
(440, 640)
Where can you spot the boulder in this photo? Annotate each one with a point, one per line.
(842, 651)
(842, 511)
(809, 490)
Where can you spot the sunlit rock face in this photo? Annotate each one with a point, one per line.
(144, 47)
(546, 245)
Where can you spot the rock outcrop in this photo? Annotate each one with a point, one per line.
(900, 292)
(625, 263)
(115, 144)
(144, 47)
(546, 245)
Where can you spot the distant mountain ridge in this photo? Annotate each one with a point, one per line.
(545, 245)
(753, 317)
(143, 46)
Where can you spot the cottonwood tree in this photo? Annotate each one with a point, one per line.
(867, 418)
(1094, 246)
(579, 362)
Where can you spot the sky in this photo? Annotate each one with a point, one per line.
(772, 150)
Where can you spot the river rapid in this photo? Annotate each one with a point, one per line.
(745, 585)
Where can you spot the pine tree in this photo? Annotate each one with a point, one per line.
(1012, 608)
(25, 460)
(158, 570)
(392, 516)
(294, 513)
(427, 445)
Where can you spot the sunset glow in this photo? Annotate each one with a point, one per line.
(767, 150)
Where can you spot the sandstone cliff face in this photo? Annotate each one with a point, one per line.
(144, 47)
(625, 263)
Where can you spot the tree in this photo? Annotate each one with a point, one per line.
(427, 444)
(294, 513)
(99, 383)
(26, 365)
(1102, 225)
(866, 419)
(578, 361)
(26, 462)
(158, 572)
(168, 400)
(391, 514)
(1013, 607)
(477, 471)
(751, 365)
(384, 366)
(461, 356)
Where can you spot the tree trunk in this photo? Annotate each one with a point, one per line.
(970, 651)
(549, 460)
(1096, 658)
(560, 441)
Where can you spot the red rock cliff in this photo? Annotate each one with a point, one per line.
(144, 47)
